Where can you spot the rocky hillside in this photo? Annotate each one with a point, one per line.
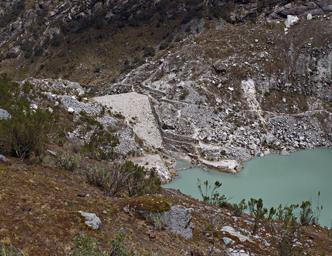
(226, 80)
(215, 82)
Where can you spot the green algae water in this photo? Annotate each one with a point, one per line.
(274, 178)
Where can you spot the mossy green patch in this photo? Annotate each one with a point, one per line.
(150, 203)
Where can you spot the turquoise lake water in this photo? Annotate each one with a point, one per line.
(274, 178)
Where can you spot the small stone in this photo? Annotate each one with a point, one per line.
(309, 16)
(3, 159)
(91, 220)
(4, 114)
(71, 110)
(291, 20)
(227, 241)
(152, 235)
(51, 152)
(34, 106)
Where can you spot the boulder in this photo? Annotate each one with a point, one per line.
(231, 166)
(230, 231)
(179, 221)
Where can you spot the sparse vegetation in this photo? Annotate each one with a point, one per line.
(150, 203)
(101, 145)
(9, 250)
(240, 208)
(257, 211)
(118, 248)
(210, 193)
(68, 162)
(125, 178)
(26, 132)
(291, 215)
(86, 246)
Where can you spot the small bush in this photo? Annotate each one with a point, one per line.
(101, 145)
(68, 162)
(306, 214)
(139, 182)
(118, 248)
(239, 208)
(26, 132)
(210, 194)
(86, 246)
(99, 177)
(257, 211)
(149, 52)
(128, 178)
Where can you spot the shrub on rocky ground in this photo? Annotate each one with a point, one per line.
(26, 132)
(101, 145)
(124, 178)
(68, 162)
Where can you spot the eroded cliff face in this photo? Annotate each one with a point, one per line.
(226, 80)
(235, 92)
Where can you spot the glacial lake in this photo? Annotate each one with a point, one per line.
(274, 178)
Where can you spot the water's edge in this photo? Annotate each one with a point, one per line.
(276, 178)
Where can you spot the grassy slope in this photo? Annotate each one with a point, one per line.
(39, 216)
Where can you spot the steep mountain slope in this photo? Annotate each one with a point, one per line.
(238, 91)
(216, 82)
(228, 88)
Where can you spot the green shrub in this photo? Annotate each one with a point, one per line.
(26, 132)
(68, 162)
(139, 182)
(257, 211)
(210, 194)
(101, 145)
(239, 208)
(272, 213)
(86, 246)
(149, 52)
(99, 177)
(89, 121)
(286, 214)
(128, 177)
(306, 214)
(118, 248)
